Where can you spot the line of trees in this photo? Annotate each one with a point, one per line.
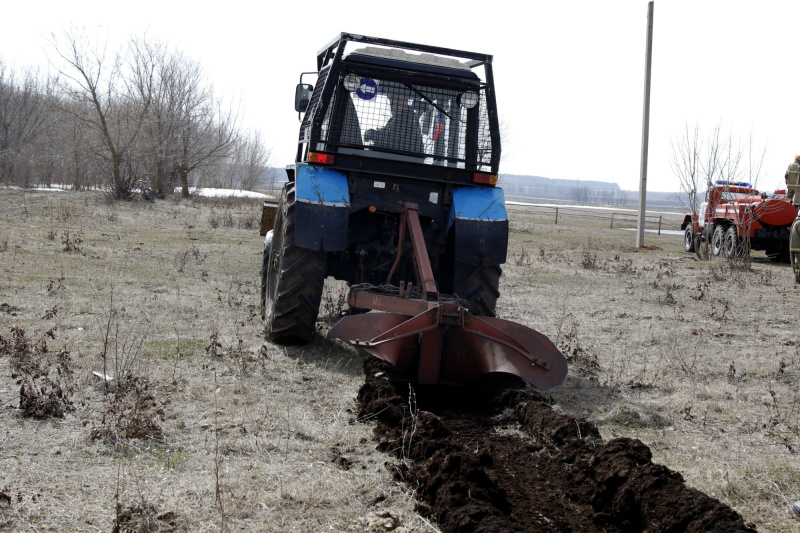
(144, 119)
(585, 195)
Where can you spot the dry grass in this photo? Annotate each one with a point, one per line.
(698, 360)
(219, 430)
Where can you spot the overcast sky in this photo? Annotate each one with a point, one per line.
(570, 75)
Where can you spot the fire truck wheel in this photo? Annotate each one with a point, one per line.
(732, 246)
(688, 240)
(718, 240)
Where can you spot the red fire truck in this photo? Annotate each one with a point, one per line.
(736, 218)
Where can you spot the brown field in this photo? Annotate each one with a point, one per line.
(217, 429)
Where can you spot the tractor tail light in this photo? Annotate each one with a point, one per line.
(486, 179)
(320, 158)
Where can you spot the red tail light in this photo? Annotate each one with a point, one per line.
(486, 179)
(320, 159)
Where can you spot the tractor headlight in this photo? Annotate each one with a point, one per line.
(352, 82)
(468, 99)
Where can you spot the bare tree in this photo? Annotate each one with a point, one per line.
(581, 194)
(25, 103)
(250, 160)
(685, 162)
(69, 146)
(178, 80)
(111, 95)
(245, 168)
(208, 134)
(141, 118)
(755, 159)
(721, 157)
(188, 126)
(729, 158)
(751, 168)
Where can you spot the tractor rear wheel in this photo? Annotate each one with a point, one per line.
(294, 280)
(718, 240)
(688, 239)
(479, 285)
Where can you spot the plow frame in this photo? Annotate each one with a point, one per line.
(438, 335)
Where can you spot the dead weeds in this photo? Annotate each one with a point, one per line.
(44, 376)
(235, 437)
(133, 411)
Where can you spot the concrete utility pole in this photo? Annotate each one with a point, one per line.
(645, 127)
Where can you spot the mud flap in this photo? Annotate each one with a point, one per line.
(323, 208)
(479, 218)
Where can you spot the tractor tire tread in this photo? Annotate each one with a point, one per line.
(299, 287)
(479, 286)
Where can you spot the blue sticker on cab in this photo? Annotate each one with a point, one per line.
(368, 89)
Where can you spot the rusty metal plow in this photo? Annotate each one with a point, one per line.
(434, 340)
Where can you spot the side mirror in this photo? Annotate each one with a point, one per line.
(302, 96)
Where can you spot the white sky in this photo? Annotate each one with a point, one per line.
(570, 75)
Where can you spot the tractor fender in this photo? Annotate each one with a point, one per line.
(479, 218)
(322, 207)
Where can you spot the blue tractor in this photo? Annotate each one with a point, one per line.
(393, 190)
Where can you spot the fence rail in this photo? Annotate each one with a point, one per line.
(621, 219)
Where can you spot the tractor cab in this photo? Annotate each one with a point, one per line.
(377, 102)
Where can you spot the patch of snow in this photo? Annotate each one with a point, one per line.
(663, 231)
(203, 191)
(55, 187)
(225, 193)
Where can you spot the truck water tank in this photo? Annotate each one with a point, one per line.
(776, 212)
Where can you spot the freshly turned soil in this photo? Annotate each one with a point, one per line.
(497, 458)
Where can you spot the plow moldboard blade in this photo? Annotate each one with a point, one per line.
(480, 346)
(486, 344)
(357, 329)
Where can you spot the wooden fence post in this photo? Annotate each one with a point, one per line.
(612, 220)
(556, 216)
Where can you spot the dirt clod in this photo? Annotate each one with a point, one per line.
(477, 472)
